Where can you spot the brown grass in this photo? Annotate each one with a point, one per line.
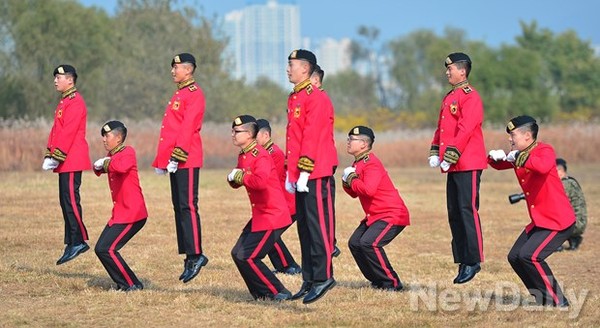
(24, 143)
(36, 292)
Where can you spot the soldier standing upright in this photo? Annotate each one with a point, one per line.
(457, 147)
(180, 154)
(67, 153)
(311, 162)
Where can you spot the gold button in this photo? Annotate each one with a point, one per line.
(532, 206)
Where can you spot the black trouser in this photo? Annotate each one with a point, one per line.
(68, 191)
(316, 228)
(184, 194)
(462, 200)
(247, 255)
(112, 239)
(366, 245)
(280, 255)
(528, 258)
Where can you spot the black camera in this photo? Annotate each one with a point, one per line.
(515, 198)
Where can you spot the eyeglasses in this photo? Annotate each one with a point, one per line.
(350, 139)
(234, 131)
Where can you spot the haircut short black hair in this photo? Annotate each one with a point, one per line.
(252, 127)
(320, 73)
(561, 162)
(533, 127)
(464, 65)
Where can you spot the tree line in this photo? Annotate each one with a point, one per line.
(123, 61)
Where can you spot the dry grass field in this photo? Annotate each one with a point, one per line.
(37, 293)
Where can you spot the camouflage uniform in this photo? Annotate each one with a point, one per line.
(575, 194)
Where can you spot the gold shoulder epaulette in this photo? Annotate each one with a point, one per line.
(309, 89)
(71, 96)
(467, 89)
(193, 87)
(254, 152)
(366, 159)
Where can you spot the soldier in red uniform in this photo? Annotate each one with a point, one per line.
(386, 214)
(270, 214)
(67, 153)
(552, 217)
(280, 255)
(316, 79)
(311, 162)
(180, 154)
(457, 147)
(129, 210)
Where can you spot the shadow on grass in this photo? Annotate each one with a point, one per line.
(233, 295)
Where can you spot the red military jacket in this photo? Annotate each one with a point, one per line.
(180, 130)
(547, 202)
(377, 194)
(66, 142)
(279, 162)
(310, 143)
(269, 207)
(128, 201)
(460, 125)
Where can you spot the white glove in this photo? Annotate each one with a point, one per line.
(232, 174)
(347, 172)
(172, 166)
(99, 164)
(49, 164)
(160, 171)
(289, 186)
(302, 184)
(512, 156)
(434, 161)
(445, 166)
(497, 155)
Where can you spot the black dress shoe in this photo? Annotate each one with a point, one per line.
(574, 242)
(461, 268)
(304, 289)
(469, 272)
(186, 270)
(283, 295)
(194, 267)
(336, 251)
(389, 288)
(292, 269)
(72, 252)
(318, 290)
(133, 287)
(61, 260)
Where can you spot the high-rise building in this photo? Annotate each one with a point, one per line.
(261, 36)
(334, 55)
